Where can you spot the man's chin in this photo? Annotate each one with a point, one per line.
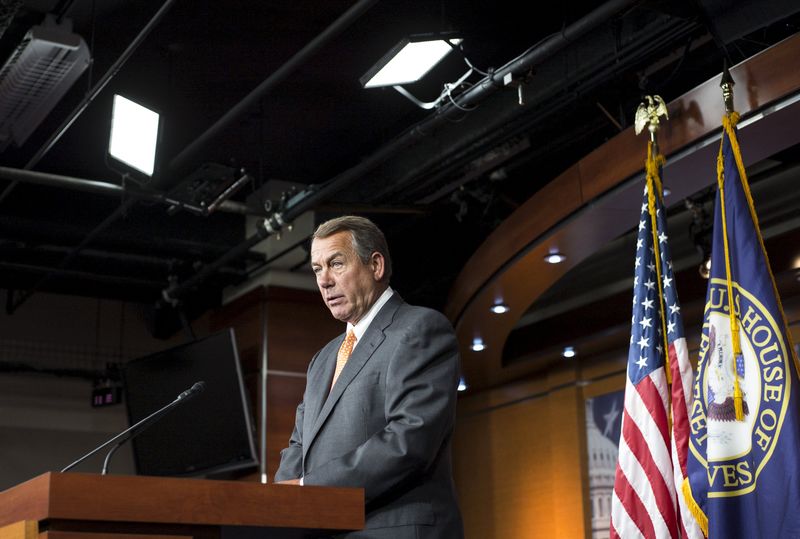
(339, 314)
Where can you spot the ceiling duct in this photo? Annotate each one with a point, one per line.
(36, 76)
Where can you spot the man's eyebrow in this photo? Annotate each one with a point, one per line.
(327, 260)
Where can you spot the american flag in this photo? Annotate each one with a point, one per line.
(652, 457)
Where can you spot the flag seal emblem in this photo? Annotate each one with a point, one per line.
(737, 451)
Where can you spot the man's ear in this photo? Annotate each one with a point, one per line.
(378, 266)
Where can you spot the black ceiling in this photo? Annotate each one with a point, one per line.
(270, 90)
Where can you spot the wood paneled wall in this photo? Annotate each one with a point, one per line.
(297, 324)
(519, 454)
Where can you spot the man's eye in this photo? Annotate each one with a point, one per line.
(337, 264)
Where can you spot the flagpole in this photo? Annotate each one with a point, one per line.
(649, 114)
(653, 448)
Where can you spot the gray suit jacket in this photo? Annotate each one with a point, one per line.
(387, 425)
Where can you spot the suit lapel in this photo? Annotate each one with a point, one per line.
(363, 351)
(320, 379)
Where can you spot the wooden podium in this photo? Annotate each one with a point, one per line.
(89, 506)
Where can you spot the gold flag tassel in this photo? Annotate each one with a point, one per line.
(729, 121)
(738, 398)
(654, 162)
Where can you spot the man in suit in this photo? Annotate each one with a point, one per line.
(380, 418)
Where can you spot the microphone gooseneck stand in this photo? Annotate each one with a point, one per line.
(139, 427)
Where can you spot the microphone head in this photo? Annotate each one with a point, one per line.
(197, 388)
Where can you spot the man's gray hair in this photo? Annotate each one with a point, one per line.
(367, 238)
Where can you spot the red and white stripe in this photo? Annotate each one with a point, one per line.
(682, 383)
(644, 502)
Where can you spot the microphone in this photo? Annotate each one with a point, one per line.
(139, 427)
(196, 389)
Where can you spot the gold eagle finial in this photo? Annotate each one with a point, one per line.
(648, 114)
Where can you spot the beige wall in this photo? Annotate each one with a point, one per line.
(47, 421)
(520, 453)
(520, 449)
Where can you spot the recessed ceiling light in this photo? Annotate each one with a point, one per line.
(568, 352)
(667, 191)
(499, 308)
(555, 258)
(477, 345)
(462, 385)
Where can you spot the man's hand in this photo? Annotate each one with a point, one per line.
(288, 482)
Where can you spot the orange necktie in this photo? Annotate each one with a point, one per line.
(344, 353)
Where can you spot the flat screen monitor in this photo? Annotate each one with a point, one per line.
(207, 435)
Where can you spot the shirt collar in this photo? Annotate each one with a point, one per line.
(361, 326)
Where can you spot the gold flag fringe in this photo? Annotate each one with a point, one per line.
(694, 508)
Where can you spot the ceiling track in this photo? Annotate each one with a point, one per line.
(93, 93)
(342, 22)
(84, 275)
(69, 257)
(130, 190)
(249, 102)
(318, 194)
(518, 121)
(9, 246)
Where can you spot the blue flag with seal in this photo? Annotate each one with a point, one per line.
(743, 467)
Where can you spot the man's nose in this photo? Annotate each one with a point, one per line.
(324, 279)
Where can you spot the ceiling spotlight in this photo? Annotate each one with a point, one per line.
(409, 60)
(462, 385)
(477, 345)
(568, 352)
(554, 257)
(42, 69)
(134, 135)
(667, 191)
(499, 308)
(701, 230)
